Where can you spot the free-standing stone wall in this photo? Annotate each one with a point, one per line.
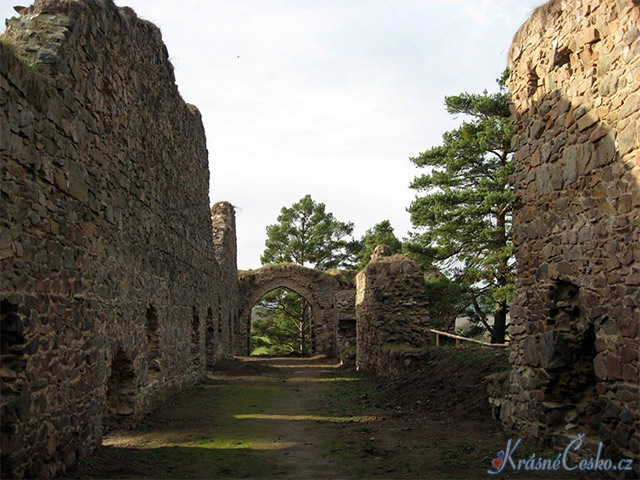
(392, 318)
(110, 279)
(222, 335)
(575, 83)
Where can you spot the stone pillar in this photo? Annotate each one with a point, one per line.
(391, 313)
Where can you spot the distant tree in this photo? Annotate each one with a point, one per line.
(381, 233)
(305, 234)
(278, 321)
(308, 235)
(448, 299)
(464, 209)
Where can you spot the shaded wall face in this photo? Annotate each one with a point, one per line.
(346, 325)
(575, 83)
(108, 275)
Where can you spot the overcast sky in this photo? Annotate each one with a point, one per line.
(326, 97)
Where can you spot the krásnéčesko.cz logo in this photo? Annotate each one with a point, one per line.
(506, 459)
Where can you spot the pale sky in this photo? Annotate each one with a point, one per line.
(326, 97)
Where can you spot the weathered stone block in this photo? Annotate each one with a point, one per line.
(530, 349)
(554, 352)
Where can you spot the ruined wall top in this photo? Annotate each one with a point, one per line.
(381, 251)
(223, 220)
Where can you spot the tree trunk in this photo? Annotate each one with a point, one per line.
(303, 338)
(499, 324)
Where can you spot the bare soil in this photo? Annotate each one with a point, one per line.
(307, 418)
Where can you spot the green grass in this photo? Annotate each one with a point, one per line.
(185, 443)
(476, 354)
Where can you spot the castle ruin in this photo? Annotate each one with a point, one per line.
(119, 284)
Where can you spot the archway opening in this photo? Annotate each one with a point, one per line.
(153, 343)
(121, 392)
(195, 335)
(281, 324)
(210, 339)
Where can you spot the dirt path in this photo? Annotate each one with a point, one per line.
(291, 421)
(294, 418)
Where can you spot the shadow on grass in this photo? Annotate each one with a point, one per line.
(177, 462)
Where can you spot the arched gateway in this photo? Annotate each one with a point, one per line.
(318, 288)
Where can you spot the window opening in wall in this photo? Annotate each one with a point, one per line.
(195, 336)
(532, 85)
(12, 342)
(562, 57)
(11, 327)
(281, 324)
(121, 392)
(209, 338)
(153, 342)
(567, 354)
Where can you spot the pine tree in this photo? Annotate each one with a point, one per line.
(308, 235)
(463, 210)
(305, 234)
(381, 233)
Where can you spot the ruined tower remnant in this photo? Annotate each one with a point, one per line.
(575, 83)
(392, 318)
(113, 293)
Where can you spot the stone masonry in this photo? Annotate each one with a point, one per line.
(112, 288)
(318, 288)
(222, 334)
(391, 313)
(575, 83)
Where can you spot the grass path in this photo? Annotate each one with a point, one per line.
(231, 426)
(292, 418)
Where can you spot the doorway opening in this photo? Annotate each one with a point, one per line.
(121, 392)
(281, 324)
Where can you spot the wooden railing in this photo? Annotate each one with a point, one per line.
(459, 339)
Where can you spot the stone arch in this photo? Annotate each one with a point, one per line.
(318, 288)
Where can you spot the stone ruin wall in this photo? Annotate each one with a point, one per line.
(346, 327)
(392, 316)
(222, 336)
(575, 83)
(111, 280)
(318, 288)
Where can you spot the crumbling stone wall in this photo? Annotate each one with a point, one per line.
(221, 332)
(109, 274)
(575, 83)
(391, 313)
(346, 326)
(318, 288)
(345, 301)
